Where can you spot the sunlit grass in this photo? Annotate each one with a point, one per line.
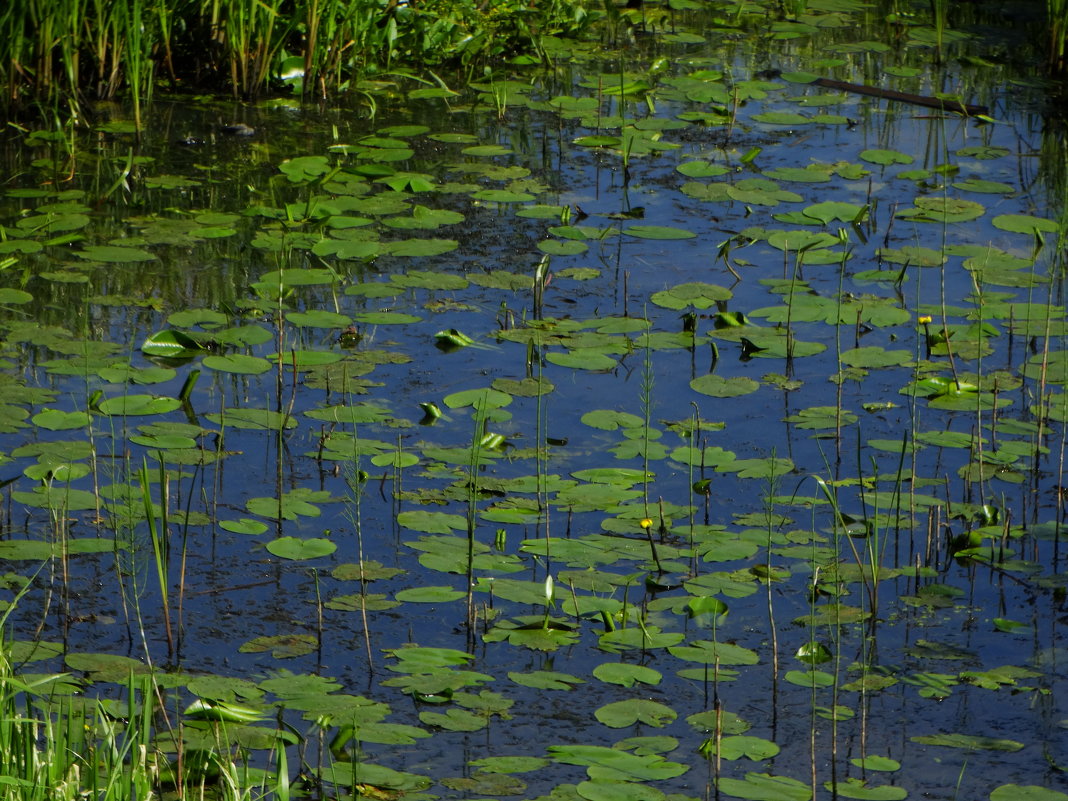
(60, 54)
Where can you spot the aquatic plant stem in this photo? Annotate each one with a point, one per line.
(479, 430)
(160, 549)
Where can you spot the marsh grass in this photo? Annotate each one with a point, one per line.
(1057, 17)
(58, 54)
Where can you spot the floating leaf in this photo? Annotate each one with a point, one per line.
(56, 420)
(545, 680)
(245, 525)
(583, 359)
(699, 295)
(1026, 792)
(432, 522)
(555, 247)
(138, 405)
(968, 741)
(658, 232)
(297, 549)
(281, 646)
(790, 118)
(319, 318)
(613, 764)
(626, 674)
(454, 720)
(832, 210)
(885, 157)
(737, 746)
(765, 787)
(238, 363)
(857, 788)
(266, 419)
(719, 387)
(1024, 224)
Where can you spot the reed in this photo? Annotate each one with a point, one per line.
(57, 54)
(1057, 17)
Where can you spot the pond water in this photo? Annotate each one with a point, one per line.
(760, 382)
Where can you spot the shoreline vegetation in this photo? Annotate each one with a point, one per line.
(61, 54)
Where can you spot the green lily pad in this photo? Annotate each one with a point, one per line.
(613, 764)
(583, 359)
(737, 746)
(1024, 224)
(501, 196)
(789, 118)
(432, 522)
(261, 419)
(885, 157)
(138, 405)
(697, 294)
(857, 788)
(245, 525)
(719, 387)
(454, 720)
(14, 297)
(546, 680)
(429, 595)
(969, 742)
(626, 674)
(319, 318)
(238, 363)
(297, 549)
(765, 787)
(623, 713)
(658, 232)
(281, 646)
(604, 790)
(57, 420)
(1026, 792)
(556, 247)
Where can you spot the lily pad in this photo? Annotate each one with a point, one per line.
(621, 714)
(298, 549)
(765, 787)
(719, 387)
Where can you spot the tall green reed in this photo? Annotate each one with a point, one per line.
(1057, 19)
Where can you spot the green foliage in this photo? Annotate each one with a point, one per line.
(59, 52)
